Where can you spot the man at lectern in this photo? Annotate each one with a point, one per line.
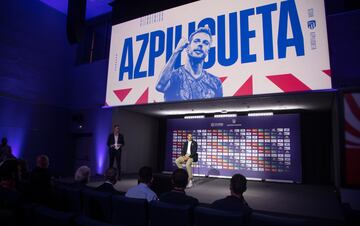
(188, 156)
(115, 143)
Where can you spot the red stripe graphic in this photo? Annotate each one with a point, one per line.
(246, 88)
(223, 79)
(355, 109)
(122, 93)
(144, 97)
(352, 143)
(328, 72)
(353, 131)
(288, 83)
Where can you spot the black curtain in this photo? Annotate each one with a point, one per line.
(316, 147)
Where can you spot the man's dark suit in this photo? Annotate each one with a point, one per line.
(178, 198)
(108, 187)
(193, 150)
(113, 153)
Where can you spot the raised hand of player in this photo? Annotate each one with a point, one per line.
(183, 43)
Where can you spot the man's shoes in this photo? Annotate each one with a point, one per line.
(190, 184)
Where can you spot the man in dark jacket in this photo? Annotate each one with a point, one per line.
(188, 156)
(5, 151)
(110, 181)
(178, 196)
(115, 143)
(235, 202)
(40, 181)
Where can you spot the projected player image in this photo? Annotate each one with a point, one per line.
(190, 81)
(257, 147)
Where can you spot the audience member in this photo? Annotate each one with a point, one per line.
(178, 195)
(82, 175)
(40, 175)
(23, 177)
(10, 198)
(111, 175)
(5, 150)
(142, 190)
(8, 174)
(234, 202)
(40, 180)
(23, 170)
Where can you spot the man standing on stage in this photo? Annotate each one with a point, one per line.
(188, 155)
(115, 143)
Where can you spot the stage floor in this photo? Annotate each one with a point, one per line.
(295, 199)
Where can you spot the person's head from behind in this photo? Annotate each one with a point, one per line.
(238, 185)
(111, 175)
(82, 175)
(180, 178)
(4, 141)
(199, 43)
(42, 162)
(145, 175)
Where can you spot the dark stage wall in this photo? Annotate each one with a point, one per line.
(34, 129)
(344, 45)
(35, 57)
(141, 134)
(317, 148)
(34, 62)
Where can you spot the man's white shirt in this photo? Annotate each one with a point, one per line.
(188, 151)
(117, 146)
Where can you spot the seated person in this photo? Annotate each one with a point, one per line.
(41, 180)
(82, 176)
(40, 175)
(8, 174)
(5, 151)
(23, 171)
(234, 202)
(23, 178)
(188, 156)
(142, 190)
(178, 195)
(110, 180)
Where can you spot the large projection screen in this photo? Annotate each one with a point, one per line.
(266, 147)
(214, 49)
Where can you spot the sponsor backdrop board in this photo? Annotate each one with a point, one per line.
(266, 147)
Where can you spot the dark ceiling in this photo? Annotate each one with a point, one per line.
(124, 10)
